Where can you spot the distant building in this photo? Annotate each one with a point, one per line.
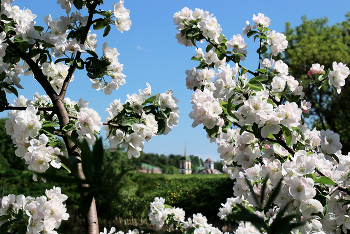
(147, 168)
(185, 164)
(209, 164)
(209, 168)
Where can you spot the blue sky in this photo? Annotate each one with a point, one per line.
(150, 53)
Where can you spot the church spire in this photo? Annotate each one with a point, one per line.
(185, 150)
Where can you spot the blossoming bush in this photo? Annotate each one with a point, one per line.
(51, 54)
(257, 119)
(287, 177)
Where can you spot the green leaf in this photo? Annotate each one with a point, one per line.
(107, 30)
(78, 4)
(91, 53)
(335, 157)
(13, 90)
(39, 28)
(68, 127)
(209, 47)
(128, 121)
(22, 229)
(161, 126)
(66, 168)
(2, 76)
(262, 50)
(243, 128)
(4, 217)
(273, 195)
(150, 99)
(98, 153)
(252, 193)
(99, 24)
(5, 226)
(251, 32)
(260, 78)
(256, 130)
(2, 107)
(87, 159)
(256, 220)
(255, 85)
(261, 70)
(3, 96)
(324, 180)
(263, 188)
(50, 124)
(287, 134)
(212, 132)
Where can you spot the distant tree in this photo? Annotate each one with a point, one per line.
(314, 41)
(218, 166)
(174, 160)
(196, 162)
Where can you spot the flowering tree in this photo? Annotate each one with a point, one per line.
(51, 54)
(287, 177)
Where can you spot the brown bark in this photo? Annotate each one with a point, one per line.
(91, 219)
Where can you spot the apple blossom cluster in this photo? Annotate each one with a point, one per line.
(122, 14)
(258, 124)
(56, 73)
(114, 70)
(43, 214)
(141, 123)
(162, 213)
(57, 38)
(113, 231)
(338, 75)
(207, 24)
(36, 146)
(311, 225)
(24, 128)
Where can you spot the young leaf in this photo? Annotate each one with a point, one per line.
(98, 153)
(209, 47)
(273, 195)
(243, 128)
(99, 24)
(255, 85)
(252, 193)
(128, 121)
(50, 124)
(324, 180)
(106, 31)
(287, 135)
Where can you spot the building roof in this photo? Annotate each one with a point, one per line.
(200, 168)
(149, 166)
(208, 160)
(185, 158)
(209, 171)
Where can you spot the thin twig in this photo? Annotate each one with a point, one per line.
(24, 108)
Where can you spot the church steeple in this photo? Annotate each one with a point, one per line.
(185, 150)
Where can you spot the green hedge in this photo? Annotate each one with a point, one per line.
(194, 193)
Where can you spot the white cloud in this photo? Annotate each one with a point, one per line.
(140, 48)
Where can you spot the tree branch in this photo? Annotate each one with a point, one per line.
(82, 41)
(216, 47)
(24, 108)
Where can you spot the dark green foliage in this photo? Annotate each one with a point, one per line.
(194, 193)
